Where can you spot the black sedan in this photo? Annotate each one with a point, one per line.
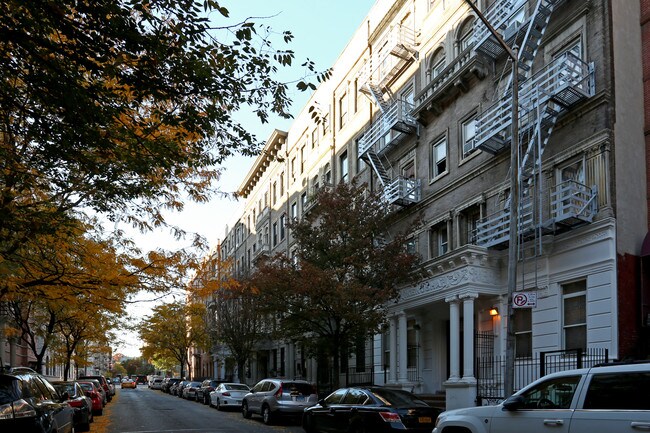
(371, 409)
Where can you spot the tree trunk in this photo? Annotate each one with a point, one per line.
(241, 370)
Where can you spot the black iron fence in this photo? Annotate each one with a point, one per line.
(490, 370)
(354, 377)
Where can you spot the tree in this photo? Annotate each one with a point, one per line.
(123, 107)
(171, 330)
(233, 317)
(348, 268)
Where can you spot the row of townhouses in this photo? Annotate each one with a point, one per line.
(419, 106)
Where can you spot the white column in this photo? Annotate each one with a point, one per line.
(468, 336)
(454, 339)
(403, 348)
(393, 350)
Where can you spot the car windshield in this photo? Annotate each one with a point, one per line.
(64, 387)
(86, 386)
(237, 387)
(397, 398)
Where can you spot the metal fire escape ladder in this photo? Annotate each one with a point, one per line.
(382, 173)
(536, 28)
(378, 97)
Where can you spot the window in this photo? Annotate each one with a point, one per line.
(438, 240)
(408, 170)
(468, 133)
(438, 64)
(439, 158)
(302, 159)
(343, 110)
(314, 138)
(303, 201)
(293, 168)
(294, 210)
(552, 394)
(411, 246)
(574, 300)
(343, 166)
(275, 234)
(523, 329)
(327, 177)
(412, 345)
(385, 346)
(274, 193)
(619, 391)
(465, 36)
(468, 221)
(361, 164)
(283, 225)
(281, 184)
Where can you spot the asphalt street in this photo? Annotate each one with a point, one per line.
(143, 410)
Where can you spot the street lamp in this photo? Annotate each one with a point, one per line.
(508, 380)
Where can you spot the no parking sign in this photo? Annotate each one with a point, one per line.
(524, 300)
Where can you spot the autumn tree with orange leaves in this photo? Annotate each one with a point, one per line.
(334, 294)
(123, 108)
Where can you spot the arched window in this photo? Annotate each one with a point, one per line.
(465, 35)
(437, 64)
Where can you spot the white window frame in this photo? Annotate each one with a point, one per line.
(437, 158)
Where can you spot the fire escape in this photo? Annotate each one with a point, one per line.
(543, 97)
(393, 121)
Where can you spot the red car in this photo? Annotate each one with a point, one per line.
(91, 391)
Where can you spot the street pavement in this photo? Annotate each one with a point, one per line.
(143, 410)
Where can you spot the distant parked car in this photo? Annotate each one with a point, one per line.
(272, 398)
(370, 409)
(189, 390)
(128, 383)
(104, 383)
(168, 382)
(207, 386)
(82, 404)
(95, 395)
(156, 383)
(177, 389)
(30, 404)
(228, 395)
(99, 387)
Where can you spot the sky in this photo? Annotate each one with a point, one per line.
(321, 30)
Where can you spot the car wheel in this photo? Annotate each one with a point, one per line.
(266, 415)
(218, 404)
(244, 410)
(99, 412)
(196, 397)
(85, 427)
(206, 399)
(91, 418)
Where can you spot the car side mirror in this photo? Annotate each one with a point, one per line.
(513, 402)
(322, 402)
(65, 396)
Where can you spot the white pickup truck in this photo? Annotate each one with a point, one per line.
(607, 399)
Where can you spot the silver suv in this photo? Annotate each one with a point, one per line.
(602, 399)
(279, 397)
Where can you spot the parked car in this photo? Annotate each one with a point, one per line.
(77, 398)
(102, 380)
(128, 383)
(207, 386)
(601, 399)
(228, 395)
(168, 382)
(95, 395)
(189, 390)
(277, 397)
(111, 386)
(30, 404)
(177, 388)
(99, 388)
(156, 383)
(370, 409)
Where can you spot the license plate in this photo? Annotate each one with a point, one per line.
(424, 420)
(298, 397)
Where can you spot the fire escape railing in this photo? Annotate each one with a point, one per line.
(565, 81)
(402, 191)
(397, 117)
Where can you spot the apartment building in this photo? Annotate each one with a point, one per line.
(419, 106)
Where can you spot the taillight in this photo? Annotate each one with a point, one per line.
(6, 412)
(75, 403)
(279, 393)
(22, 409)
(390, 417)
(227, 394)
